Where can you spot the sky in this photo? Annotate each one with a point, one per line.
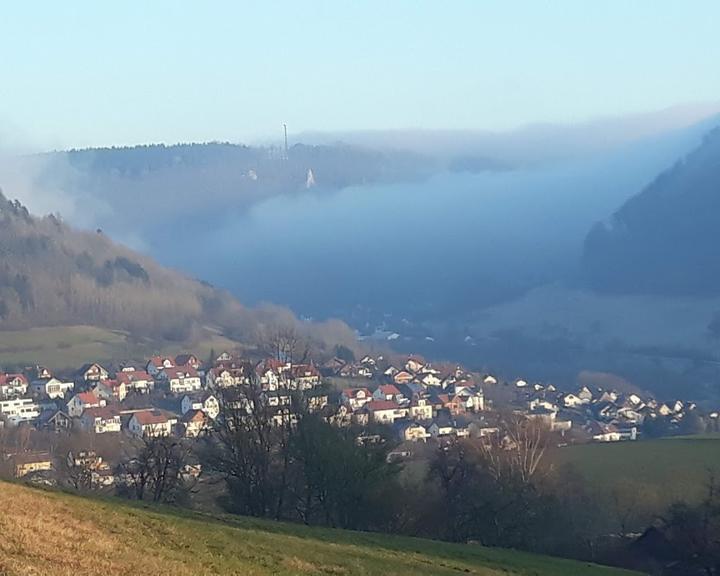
(88, 73)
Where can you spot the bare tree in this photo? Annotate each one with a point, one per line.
(156, 470)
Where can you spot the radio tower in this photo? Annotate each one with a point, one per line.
(285, 156)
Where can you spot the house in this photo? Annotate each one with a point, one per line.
(444, 426)
(604, 432)
(38, 373)
(54, 420)
(51, 388)
(430, 379)
(388, 392)
(420, 409)
(110, 390)
(188, 360)
(543, 415)
(520, 383)
(82, 401)
(355, 398)
(204, 401)
(181, 379)
(415, 364)
(28, 462)
(137, 380)
(304, 376)
(19, 410)
(408, 430)
(93, 373)
(101, 420)
(403, 377)
(277, 398)
(585, 394)
(384, 411)
(490, 380)
(158, 363)
(13, 385)
(572, 401)
(152, 423)
(227, 376)
(194, 423)
(223, 357)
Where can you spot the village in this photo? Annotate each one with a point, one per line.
(410, 400)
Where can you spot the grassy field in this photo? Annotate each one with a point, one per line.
(63, 347)
(47, 533)
(664, 470)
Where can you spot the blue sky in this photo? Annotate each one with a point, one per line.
(99, 73)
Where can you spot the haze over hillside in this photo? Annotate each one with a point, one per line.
(53, 275)
(664, 240)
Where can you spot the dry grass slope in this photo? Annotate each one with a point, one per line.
(46, 533)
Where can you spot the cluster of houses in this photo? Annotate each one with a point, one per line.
(416, 400)
(604, 415)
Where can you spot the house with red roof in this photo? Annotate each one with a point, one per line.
(81, 401)
(355, 398)
(158, 363)
(13, 385)
(152, 423)
(180, 379)
(388, 392)
(137, 380)
(384, 411)
(101, 420)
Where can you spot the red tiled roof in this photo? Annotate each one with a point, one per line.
(87, 398)
(133, 376)
(376, 405)
(151, 417)
(388, 389)
(102, 412)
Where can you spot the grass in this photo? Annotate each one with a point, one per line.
(664, 470)
(64, 347)
(50, 533)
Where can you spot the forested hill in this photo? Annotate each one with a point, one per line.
(53, 275)
(665, 239)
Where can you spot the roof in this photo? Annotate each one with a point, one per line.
(353, 392)
(194, 416)
(182, 359)
(377, 405)
(151, 417)
(389, 389)
(158, 361)
(133, 376)
(32, 457)
(4, 378)
(87, 397)
(186, 371)
(102, 412)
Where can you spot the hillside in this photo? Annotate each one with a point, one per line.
(69, 535)
(664, 240)
(53, 275)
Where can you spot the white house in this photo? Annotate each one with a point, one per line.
(13, 385)
(195, 423)
(204, 401)
(19, 410)
(137, 380)
(100, 420)
(411, 431)
(384, 411)
(355, 398)
(181, 379)
(152, 423)
(52, 388)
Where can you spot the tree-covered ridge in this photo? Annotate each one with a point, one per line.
(664, 240)
(53, 275)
